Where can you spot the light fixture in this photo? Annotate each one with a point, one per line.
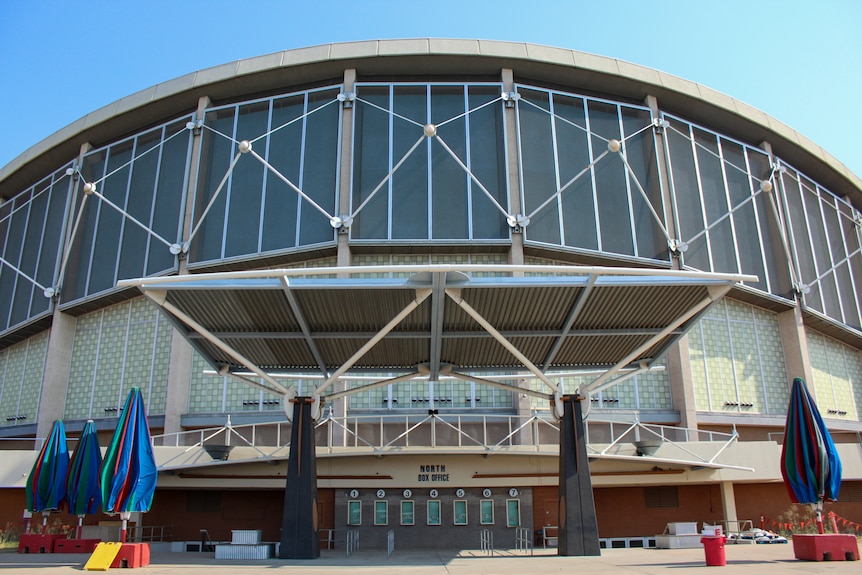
(510, 98)
(347, 99)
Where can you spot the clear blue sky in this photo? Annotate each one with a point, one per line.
(798, 61)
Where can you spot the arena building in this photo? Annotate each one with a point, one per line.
(431, 247)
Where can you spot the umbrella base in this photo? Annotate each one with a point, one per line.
(826, 547)
(75, 545)
(37, 543)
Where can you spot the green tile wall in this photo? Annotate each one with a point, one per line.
(21, 369)
(737, 360)
(114, 349)
(837, 385)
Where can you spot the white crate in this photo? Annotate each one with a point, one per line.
(687, 528)
(245, 536)
(243, 551)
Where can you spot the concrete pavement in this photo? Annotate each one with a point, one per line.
(741, 559)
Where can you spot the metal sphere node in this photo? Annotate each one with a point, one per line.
(245, 147)
(766, 186)
(430, 130)
(89, 188)
(615, 145)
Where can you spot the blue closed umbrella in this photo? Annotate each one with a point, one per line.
(128, 476)
(810, 464)
(46, 484)
(82, 485)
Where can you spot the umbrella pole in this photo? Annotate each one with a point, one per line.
(45, 515)
(818, 510)
(124, 519)
(80, 526)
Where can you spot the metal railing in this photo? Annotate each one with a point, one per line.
(523, 539)
(352, 542)
(150, 533)
(486, 542)
(390, 543)
(485, 433)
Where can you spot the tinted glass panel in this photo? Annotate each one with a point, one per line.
(448, 180)
(578, 202)
(538, 174)
(170, 197)
(217, 152)
(487, 162)
(281, 201)
(140, 206)
(611, 181)
(371, 157)
(410, 182)
(246, 183)
(320, 173)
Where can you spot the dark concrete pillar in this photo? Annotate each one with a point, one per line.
(299, 524)
(579, 532)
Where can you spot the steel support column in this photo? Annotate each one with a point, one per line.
(299, 524)
(579, 532)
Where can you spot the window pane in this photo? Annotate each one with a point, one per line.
(578, 203)
(139, 206)
(370, 163)
(448, 180)
(78, 265)
(320, 171)
(410, 181)
(217, 152)
(246, 184)
(488, 163)
(538, 175)
(170, 197)
(614, 213)
(285, 153)
(641, 155)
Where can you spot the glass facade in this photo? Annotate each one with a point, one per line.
(409, 186)
(430, 166)
(31, 231)
(575, 192)
(724, 219)
(127, 229)
(247, 205)
(826, 234)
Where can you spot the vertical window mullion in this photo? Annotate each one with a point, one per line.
(16, 278)
(809, 241)
(707, 235)
(123, 216)
(430, 166)
(588, 126)
(301, 182)
(729, 203)
(787, 227)
(555, 146)
(227, 192)
(468, 162)
(826, 234)
(757, 222)
(265, 177)
(96, 226)
(628, 178)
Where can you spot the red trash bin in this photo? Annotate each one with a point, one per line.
(713, 547)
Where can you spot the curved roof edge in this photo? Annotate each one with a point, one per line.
(302, 65)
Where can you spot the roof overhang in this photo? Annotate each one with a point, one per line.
(427, 321)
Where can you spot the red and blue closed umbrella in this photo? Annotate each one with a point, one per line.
(128, 477)
(82, 486)
(810, 464)
(46, 484)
